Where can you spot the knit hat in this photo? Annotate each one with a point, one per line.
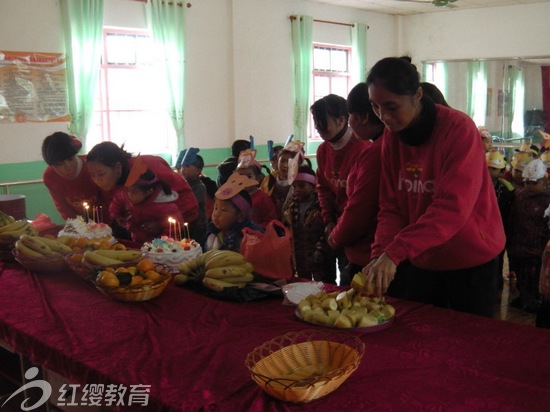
(534, 171)
(521, 159)
(59, 146)
(495, 158)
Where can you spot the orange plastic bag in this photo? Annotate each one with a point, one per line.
(269, 252)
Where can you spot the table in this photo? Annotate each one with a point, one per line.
(191, 350)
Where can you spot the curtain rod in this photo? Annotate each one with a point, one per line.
(179, 4)
(327, 21)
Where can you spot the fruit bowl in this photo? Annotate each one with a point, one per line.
(139, 292)
(306, 365)
(88, 271)
(44, 264)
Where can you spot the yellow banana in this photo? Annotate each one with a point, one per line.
(246, 278)
(226, 272)
(34, 243)
(5, 219)
(124, 255)
(95, 259)
(224, 258)
(26, 251)
(218, 285)
(55, 245)
(17, 225)
(184, 268)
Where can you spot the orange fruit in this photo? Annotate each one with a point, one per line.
(112, 270)
(118, 246)
(81, 243)
(136, 280)
(152, 275)
(121, 270)
(104, 244)
(107, 279)
(145, 265)
(77, 258)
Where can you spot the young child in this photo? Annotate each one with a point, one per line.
(528, 235)
(263, 209)
(144, 204)
(518, 163)
(230, 215)
(280, 190)
(191, 169)
(269, 181)
(505, 194)
(312, 255)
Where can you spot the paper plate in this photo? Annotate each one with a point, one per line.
(368, 329)
(295, 292)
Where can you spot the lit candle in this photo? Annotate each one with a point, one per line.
(169, 227)
(179, 230)
(187, 230)
(100, 214)
(86, 211)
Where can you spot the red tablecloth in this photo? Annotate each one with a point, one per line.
(191, 350)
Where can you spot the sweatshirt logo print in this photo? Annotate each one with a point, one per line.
(412, 182)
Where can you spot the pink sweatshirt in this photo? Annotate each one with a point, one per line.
(437, 204)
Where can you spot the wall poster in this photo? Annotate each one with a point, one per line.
(32, 87)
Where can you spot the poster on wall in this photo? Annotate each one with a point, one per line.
(32, 87)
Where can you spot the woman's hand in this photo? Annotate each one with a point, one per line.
(380, 272)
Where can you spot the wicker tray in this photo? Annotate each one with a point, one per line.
(45, 264)
(87, 271)
(137, 292)
(306, 365)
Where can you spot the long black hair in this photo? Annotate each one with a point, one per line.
(109, 154)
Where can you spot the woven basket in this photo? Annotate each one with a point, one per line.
(303, 366)
(45, 264)
(88, 271)
(139, 292)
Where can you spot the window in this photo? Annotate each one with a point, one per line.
(331, 74)
(130, 104)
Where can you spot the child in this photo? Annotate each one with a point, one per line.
(518, 163)
(228, 166)
(144, 204)
(191, 168)
(505, 193)
(280, 190)
(230, 215)
(263, 209)
(312, 255)
(529, 235)
(269, 181)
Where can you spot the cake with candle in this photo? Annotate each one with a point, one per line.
(171, 252)
(78, 228)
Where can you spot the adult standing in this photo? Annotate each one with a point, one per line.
(66, 176)
(109, 166)
(335, 157)
(354, 230)
(437, 205)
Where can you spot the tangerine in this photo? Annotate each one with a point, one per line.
(145, 265)
(152, 275)
(104, 244)
(77, 258)
(136, 280)
(81, 243)
(118, 246)
(107, 279)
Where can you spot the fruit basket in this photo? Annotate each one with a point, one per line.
(139, 292)
(44, 264)
(306, 365)
(88, 271)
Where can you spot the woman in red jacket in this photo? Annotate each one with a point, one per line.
(109, 166)
(437, 205)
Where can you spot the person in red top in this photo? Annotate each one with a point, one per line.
(437, 205)
(335, 158)
(67, 177)
(144, 206)
(354, 230)
(109, 166)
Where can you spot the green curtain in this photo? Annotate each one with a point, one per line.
(436, 73)
(359, 50)
(166, 21)
(516, 103)
(302, 52)
(82, 22)
(476, 98)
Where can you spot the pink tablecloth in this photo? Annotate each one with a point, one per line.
(191, 350)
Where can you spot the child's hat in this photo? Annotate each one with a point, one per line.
(138, 168)
(294, 147)
(521, 159)
(187, 157)
(534, 171)
(545, 157)
(484, 133)
(495, 158)
(247, 158)
(528, 147)
(231, 189)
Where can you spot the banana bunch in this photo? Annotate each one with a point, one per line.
(110, 257)
(38, 246)
(12, 229)
(217, 270)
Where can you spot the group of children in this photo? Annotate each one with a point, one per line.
(523, 194)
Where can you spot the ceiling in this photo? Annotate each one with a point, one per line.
(409, 7)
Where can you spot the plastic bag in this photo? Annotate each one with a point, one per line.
(269, 252)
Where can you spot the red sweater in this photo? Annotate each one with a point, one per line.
(187, 202)
(334, 163)
(69, 195)
(357, 224)
(437, 203)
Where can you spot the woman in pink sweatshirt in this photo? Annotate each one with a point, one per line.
(438, 209)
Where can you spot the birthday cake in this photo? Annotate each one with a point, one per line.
(78, 228)
(171, 252)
